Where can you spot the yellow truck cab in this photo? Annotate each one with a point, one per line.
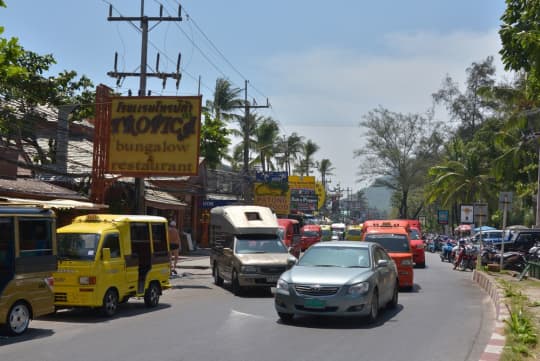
(27, 262)
(105, 259)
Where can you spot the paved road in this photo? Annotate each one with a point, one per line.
(447, 318)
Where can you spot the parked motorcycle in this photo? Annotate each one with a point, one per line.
(514, 261)
(446, 253)
(534, 254)
(467, 258)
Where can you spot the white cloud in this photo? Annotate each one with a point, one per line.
(325, 92)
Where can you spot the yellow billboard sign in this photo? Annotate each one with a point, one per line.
(301, 182)
(273, 198)
(151, 136)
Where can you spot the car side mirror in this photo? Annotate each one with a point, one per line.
(382, 263)
(106, 254)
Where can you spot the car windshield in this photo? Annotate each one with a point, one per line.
(326, 232)
(391, 242)
(259, 244)
(310, 234)
(414, 234)
(79, 246)
(354, 232)
(335, 257)
(281, 233)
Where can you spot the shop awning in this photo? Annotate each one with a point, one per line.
(463, 228)
(54, 203)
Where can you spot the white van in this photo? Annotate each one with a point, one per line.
(246, 248)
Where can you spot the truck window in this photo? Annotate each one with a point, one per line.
(112, 242)
(6, 243)
(159, 238)
(35, 237)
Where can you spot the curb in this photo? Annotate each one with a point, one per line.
(496, 343)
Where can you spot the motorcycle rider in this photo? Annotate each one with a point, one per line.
(460, 252)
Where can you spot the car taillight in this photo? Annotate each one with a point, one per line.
(49, 281)
(87, 280)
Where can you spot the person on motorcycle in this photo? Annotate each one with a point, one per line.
(460, 253)
(447, 250)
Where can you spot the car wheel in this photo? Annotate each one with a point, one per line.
(235, 284)
(17, 319)
(286, 317)
(151, 296)
(395, 296)
(218, 281)
(110, 303)
(374, 307)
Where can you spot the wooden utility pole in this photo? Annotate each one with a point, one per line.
(143, 74)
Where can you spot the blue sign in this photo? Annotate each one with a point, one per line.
(442, 216)
(211, 203)
(271, 177)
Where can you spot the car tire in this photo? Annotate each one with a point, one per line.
(151, 296)
(373, 307)
(286, 317)
(395, 297)
(235, 284)
(110, 303)
(218, 281)
(421, 265)
(17, 320)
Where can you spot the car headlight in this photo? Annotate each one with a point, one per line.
(358, 288)
(282, 285)
(248, 269)
(407, 262)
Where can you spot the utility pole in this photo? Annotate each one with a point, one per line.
(143, 74)
(247, 126)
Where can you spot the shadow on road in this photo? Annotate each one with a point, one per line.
(343, 323)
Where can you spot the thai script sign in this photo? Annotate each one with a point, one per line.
(273, 198)
(151, 136)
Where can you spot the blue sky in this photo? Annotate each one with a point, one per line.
(322, 65)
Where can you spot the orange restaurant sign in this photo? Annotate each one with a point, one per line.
(151, 136)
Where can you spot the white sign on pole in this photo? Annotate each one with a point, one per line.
(467, 212)
(505, 198)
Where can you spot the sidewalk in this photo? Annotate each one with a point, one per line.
(196, 259)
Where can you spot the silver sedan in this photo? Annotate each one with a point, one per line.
(338, 278)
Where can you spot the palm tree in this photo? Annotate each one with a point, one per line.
(325, 168)
(226, 99)
(310, 148)
(291, 147)
(266, 135)
(463, 180)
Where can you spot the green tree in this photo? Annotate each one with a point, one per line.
(468, 108)
(214, 140)
(226, 100)
(290, 147)
(266, 136)
(28, 97)
(325, 168)
(306, 162)
(399, 150)
(520, 37)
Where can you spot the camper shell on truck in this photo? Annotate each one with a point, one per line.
(105, 259)
(27, 263)
(245, 247)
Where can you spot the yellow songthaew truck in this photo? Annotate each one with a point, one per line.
(105, 259)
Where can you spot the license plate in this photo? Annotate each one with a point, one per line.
(272, 279)
(314, 303)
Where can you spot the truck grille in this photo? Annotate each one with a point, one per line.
(272, 270)
(60, 297)
(316, 290)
